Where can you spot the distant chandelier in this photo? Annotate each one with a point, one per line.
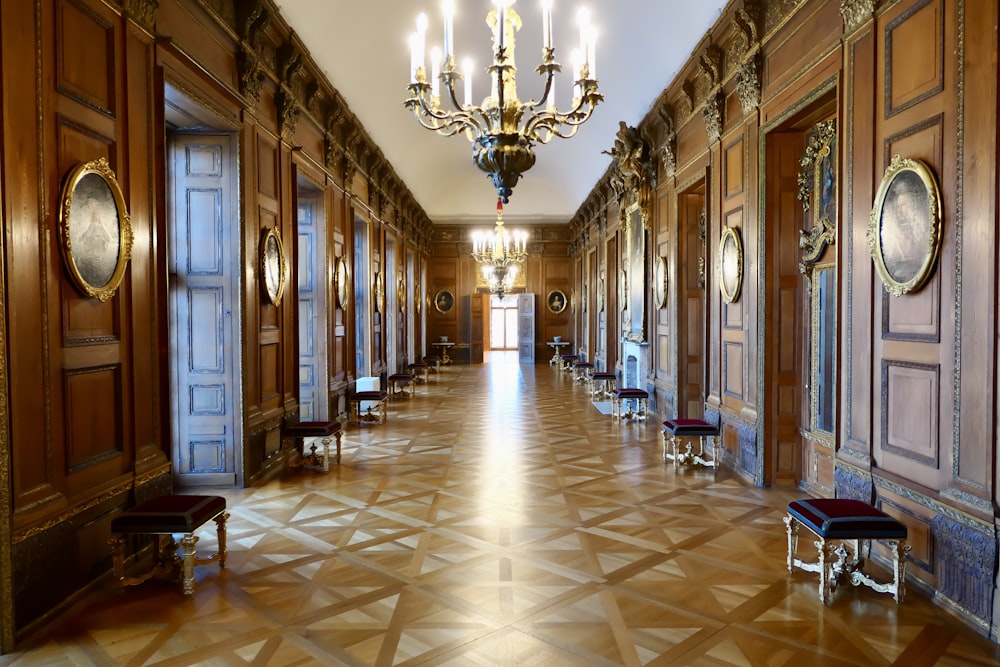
(501, 142)
(500, 254)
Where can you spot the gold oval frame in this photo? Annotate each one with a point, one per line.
(905, 173)
(273, 267)
(342, 283)
(77, 187)
(600, 293)
(378, 289)
(450, 299)
(660, 282)
(730, 257)
(548, 301)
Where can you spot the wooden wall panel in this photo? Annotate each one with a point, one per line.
(914, 43)
(86, 61)
(910, 411)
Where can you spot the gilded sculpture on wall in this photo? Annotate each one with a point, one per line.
(818, 194)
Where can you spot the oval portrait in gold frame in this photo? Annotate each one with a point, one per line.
(730, 264)
(273, 271)
(904, 227)
(94, 229)
(556, 301)
(660, 281)
(342, 283)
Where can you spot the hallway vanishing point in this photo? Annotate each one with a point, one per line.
(498, 518)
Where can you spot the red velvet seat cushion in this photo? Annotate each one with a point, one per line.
(845, 518)
(311, 429)
(401, 377)
(603, 376)
(631, 392)
(169, 514)
(370, 395)
(689, 427)
(584, 364)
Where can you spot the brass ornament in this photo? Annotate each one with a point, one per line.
(273, 266)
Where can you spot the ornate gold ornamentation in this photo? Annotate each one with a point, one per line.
(143, 11)
(778, 11)
(818, 193)
(855, 13)
(273, 267)
(668, 151)
(712, 113)
(748, 84)
(288, 113)
(251, 77)
(635, 178)
(711, 64)
(685, 104)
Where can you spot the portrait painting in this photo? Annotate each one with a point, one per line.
(904, 226)
(730, 264)
(556, 301)
(94, 228)
(341, 282)
(272, 266)
(660, 282)
(444, 301)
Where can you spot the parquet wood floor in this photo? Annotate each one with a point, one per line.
(498, 518)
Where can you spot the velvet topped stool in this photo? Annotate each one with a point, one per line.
(676, 430)
(398, 382)
(852, 523)
(433, 361)
(420, 371)
(297, 433)
(583, 370)
(641, 398)
(568, 360)
(165, 516)
(374, 399)
(603, 384)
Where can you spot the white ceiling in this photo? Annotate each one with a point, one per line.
(361, 45)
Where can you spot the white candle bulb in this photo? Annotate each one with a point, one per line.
(435, 71)
(449, 16)
(421, 38)
(547, 23)
(467, 71)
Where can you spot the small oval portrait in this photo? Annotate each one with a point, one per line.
(94, 228)
(660, 281)
(342, 286)
(444, 301)
(730, 264)
(904, 229)
(556, 301)
(272, 266)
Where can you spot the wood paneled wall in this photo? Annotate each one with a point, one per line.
(916, 374)
(85, 406)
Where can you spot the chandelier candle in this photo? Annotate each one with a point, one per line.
(503, 129)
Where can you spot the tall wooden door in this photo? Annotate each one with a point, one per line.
(691, 316)
(204, 310)
(783, 351)
(526, 328)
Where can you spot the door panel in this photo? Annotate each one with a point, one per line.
(526, 328)
(204, 338)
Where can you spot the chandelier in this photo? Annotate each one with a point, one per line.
(502, 129)
(499, 253)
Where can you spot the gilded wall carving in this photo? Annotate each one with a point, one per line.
(668, 150)
(635, 178)
(712, 113)
(748, 84)
(143, 11)
(855, 13)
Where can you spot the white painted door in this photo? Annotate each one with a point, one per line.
(204, 310)
(526, 328)
(312, 295)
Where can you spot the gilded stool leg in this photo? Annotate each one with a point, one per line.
(792, 528)
(326, 454)
(188, 552)
(899, 550)
(117, 543)
(220, 531)
(665, 457)
(337, 436)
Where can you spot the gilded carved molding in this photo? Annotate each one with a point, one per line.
(668, 151)
(778, 11)
(856, 13)
(712, 114)
(251, 70)
(748, 86)
(288, 113)
(143, 11)
(635, 177)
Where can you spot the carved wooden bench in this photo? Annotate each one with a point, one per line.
(296, 434)
(676, 430)
(849, 522)
(165, 516)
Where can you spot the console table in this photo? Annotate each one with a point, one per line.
(557, 345)
(443, 346)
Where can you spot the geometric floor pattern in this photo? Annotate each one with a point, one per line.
(498, 518)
